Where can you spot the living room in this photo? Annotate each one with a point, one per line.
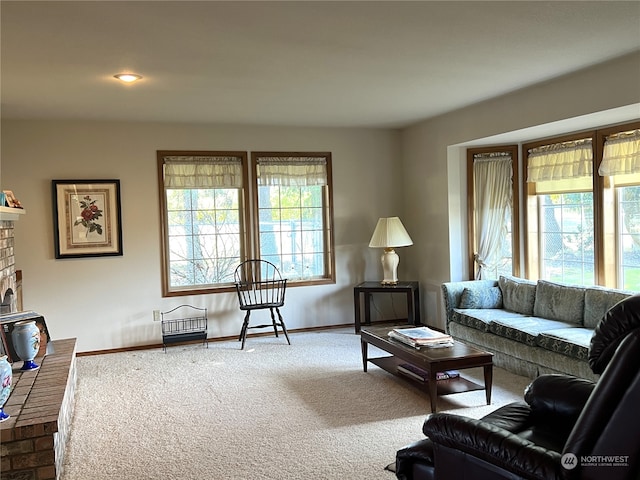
(396, 150)
(415, 172)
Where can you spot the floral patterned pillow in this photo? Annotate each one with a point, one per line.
(481, 298)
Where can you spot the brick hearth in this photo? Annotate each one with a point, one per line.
(33, 440)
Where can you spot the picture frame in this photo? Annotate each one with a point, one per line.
(87, 218)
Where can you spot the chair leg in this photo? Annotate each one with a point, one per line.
(245, 326)
(284, 329)
(273, 321)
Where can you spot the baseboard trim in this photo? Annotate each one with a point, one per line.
(213, 339)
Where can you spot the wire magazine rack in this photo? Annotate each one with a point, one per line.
(184, 323)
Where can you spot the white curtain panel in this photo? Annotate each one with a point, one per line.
(621, 155)
(492, 177)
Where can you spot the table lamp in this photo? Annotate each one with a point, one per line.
(390, 233)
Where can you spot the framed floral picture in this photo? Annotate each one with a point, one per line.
(86, 218)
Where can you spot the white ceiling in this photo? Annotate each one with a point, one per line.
(331, 63)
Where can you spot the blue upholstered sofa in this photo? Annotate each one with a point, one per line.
(532, 328)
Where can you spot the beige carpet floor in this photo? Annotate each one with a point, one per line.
(272, 411)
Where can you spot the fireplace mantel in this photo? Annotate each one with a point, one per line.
(10, 213)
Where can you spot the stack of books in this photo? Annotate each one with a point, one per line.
(421, 337)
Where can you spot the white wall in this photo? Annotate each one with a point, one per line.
(434, 164)
(416, 174)
(107, 302)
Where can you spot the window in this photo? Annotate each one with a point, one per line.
(293, 204)
(628, 224)
(561, 213)
(493, 233)
(620, 172)
(208, 227)
(566, 237)
(203, 225)
(582, 208)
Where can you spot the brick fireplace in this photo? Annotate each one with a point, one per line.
(41, 403)
(8, 281)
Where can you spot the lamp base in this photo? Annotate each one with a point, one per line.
(390, 261)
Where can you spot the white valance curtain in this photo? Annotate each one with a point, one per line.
(492, 185)
(292, 171)
(560, 161)
(202, 172)
(621, 154)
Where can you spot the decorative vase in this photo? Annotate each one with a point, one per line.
(26, 341)
(5, 385)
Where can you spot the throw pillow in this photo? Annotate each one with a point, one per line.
(481, 298)
(518, 294)
(557, 301)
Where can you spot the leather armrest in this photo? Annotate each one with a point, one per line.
(494, 445)
(416, 452)
(557, 400)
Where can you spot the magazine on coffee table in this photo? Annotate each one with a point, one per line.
(421, 337)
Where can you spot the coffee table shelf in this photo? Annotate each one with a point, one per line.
(431, 360)
(445, 387)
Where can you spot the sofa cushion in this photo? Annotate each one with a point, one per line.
(572, 342)
(481, 298)
(518, 294)
(598, 301)
(559, 302)
(525, 329)
(480, 318)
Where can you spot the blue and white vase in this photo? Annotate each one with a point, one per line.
(5, 385)
(26, 341)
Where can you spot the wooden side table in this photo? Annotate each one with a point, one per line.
(410, 289)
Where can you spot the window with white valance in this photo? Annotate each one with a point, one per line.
(560, 210)
(560, 161)
(291, 171)
(187, 171)
(213, 217)
(621, 154)
(293, 202)
(204, 223)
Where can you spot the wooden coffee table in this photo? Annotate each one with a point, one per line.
(432, 360)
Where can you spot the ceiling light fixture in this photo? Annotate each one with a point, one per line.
(128, 77)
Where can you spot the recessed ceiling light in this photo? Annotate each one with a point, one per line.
(128, 77)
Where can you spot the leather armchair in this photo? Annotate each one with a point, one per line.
(566, 427)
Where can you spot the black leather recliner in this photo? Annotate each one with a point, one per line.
(566, 428)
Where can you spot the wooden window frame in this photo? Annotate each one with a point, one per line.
(515, 213)
(605, 235)
(167, 291)
(329, 253)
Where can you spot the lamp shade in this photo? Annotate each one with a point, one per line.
(390, 232)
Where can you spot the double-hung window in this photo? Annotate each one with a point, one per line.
(217, 212)
(203, 220)
(561, 211)
(293, 209)
(619, 170)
